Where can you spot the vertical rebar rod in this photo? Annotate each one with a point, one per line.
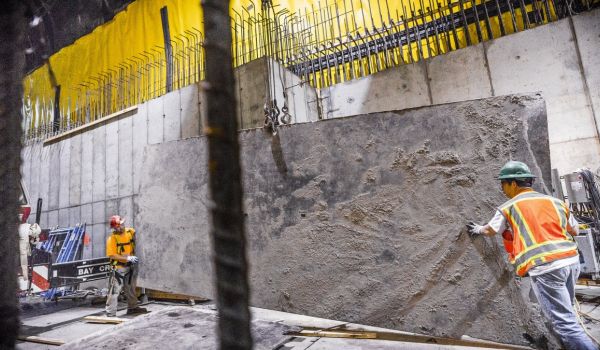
(453, 22)
(477, 21)
(500, 18)
(465, 22)
(227, 231)
(488, 26)
(524, 15)
(512, 15)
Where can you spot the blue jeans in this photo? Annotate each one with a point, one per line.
(555, 291)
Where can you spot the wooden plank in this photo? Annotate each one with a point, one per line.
(402, 337)
(339, 334)
(89, 125)
(40, 340)
(157, 294)
(104, 319)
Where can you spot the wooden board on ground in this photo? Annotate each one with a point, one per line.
(104, 319)
(402, 337)
(160, 295)
(40, 340)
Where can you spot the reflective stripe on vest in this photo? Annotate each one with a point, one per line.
(539, 224)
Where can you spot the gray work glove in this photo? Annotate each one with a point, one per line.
(133, 259)
(474, 229)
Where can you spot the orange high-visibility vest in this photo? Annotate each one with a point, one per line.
(539, 224)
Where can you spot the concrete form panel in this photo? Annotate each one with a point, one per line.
(98, 224)
(140, 140)
(251, 94)
(112, 208)
(75, 171)
(361, 219)
(99, 213)
(183, 251)
(156, 118)
(566, 155)
(87, 164)
(190, 111)
(99, 164)
(52, 219)
(34, 186)
(54, 175)
(30, 156)
(44, 220)
(75, 216)
(63, 218)
(64, 173)
(112, 160)
(301, 98)
(393, 89)
(172, 119)
(86, 214)
(125, 162)
(44, 192)
(98, 240)
(545, 59)
(460, 75)
(587, 29)
(25, 166)
(126, 210)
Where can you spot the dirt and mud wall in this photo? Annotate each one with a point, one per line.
(360, 219)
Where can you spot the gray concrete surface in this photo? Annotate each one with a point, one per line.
(360, 219)
(100, 168)
(184, 324)
(251, 79)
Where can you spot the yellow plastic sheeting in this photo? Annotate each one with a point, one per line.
(87, 70)
(136, 29)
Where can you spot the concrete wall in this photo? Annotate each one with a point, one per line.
(251, 79)
(95, 174)
(359, 219)
(88, 177)
(560, 60)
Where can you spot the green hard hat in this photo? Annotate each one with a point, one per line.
(515, 170)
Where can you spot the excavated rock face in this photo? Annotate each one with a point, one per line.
(362, 219)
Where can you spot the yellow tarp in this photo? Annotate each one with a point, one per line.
(110, 48)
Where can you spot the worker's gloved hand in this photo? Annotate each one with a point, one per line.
(474, 229)
(133, 259)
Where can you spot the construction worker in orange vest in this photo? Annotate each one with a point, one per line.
(537, 232)
(120, 248)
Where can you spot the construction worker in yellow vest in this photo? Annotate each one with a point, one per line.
(537, 232)
(120, 249)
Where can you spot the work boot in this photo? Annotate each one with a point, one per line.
(136, 311)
